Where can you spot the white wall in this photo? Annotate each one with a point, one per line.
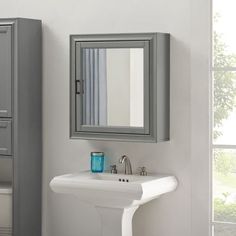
(184, 156)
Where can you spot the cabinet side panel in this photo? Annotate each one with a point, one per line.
(163, 87)
(28, 130)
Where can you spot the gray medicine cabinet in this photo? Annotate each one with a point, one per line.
(20, 127)
(119, 87)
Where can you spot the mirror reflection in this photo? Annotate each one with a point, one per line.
(113, 86)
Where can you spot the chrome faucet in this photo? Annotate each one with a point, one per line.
(128, 168)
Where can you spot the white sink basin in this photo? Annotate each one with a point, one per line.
(113, 190)
(115, 196)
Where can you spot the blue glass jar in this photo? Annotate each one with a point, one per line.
(97, 162)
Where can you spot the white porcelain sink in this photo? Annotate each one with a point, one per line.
(113, 190)
(115, 196)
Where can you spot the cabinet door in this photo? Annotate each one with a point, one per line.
(5, 137)
(5, 71)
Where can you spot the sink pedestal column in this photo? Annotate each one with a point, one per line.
(116, 221)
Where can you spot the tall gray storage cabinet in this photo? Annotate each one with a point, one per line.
(20, 119)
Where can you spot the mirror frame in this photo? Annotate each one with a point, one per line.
(147, 41)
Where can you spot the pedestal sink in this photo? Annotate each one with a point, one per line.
(115, 196)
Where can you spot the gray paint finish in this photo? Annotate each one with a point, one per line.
(156, 87)
(162, 95)
(26, 125)
(5, 137)
(28, 148)
(6, 70)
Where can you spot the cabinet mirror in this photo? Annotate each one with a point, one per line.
(114, 86)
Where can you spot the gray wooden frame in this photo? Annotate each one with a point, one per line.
(26, 134)
(79, 99)
(152, 60)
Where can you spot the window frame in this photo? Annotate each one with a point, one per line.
(212, 145)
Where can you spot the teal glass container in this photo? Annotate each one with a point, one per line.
(97, 162)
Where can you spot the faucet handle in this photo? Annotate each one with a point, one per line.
(143, 171)
(113, 169)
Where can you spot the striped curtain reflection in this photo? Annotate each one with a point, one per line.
(95, 87)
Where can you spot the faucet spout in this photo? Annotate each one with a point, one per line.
(128, 167)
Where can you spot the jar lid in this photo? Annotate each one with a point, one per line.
(97, 153)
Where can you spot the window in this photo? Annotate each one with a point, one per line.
(224, 118)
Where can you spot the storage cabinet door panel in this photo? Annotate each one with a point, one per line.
(5, 71)
(5, 137)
